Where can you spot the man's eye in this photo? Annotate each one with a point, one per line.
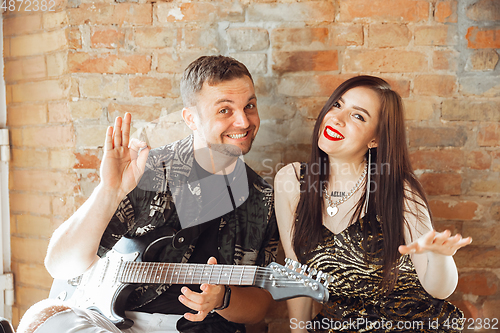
(224, 111)
(250, 106)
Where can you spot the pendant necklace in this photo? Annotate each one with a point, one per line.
(333, 208)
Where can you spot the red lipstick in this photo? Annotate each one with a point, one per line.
(332, 134)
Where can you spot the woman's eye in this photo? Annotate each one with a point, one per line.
(336, 105)
(358, 116)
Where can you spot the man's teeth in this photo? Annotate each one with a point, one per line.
(237, 136)
(333, 134)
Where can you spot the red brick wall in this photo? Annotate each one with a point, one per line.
(69, 72)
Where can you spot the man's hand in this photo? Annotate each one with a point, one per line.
(210, 298)
(437, 242)
(124, 160)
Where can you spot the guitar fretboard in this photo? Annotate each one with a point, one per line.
(170, 273)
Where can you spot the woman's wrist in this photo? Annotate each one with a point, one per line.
(437, 258)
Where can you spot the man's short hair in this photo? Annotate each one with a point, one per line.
(210, 69)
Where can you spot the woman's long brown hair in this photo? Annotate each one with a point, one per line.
(391, 172)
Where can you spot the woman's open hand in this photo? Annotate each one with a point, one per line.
(438, 242)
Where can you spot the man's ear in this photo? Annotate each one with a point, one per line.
(188, 116)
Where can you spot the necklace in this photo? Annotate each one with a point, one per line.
(333, 208)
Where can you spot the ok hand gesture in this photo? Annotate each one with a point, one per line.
(124, 160)
(437, 242)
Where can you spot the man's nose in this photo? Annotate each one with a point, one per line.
(241, 120)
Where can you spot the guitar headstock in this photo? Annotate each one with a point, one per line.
(285, 282)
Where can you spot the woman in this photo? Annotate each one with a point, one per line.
(357, 212)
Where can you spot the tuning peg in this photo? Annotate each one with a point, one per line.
(312, 272)
(303, 269)
(319, 276)
(328, 280)
(313, 285)
(296, 265)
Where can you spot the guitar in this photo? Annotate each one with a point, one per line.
(106, 286)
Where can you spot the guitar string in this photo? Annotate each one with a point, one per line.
(184, 274)
(186, 270)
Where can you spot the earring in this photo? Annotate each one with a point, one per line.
(368, 180)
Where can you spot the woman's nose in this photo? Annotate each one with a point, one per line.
(339, 118)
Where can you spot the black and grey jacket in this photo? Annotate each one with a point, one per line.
(248, 235)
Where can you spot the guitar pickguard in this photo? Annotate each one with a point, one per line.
(99, 288)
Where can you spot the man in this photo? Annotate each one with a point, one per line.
(140, 194)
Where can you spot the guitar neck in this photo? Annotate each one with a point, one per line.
(170, 273)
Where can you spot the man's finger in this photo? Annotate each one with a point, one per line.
(214, 288)
(108, 142)
(136, 147)
(189, 303)
(196, 317)
(192, 297)
(142, 158)
(136, 144)
(127, 119)
(117, 133)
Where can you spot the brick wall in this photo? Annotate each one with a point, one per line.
(70, 71)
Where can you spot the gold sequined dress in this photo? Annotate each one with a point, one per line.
(356, 303)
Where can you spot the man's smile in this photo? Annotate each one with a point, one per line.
(237, 136)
